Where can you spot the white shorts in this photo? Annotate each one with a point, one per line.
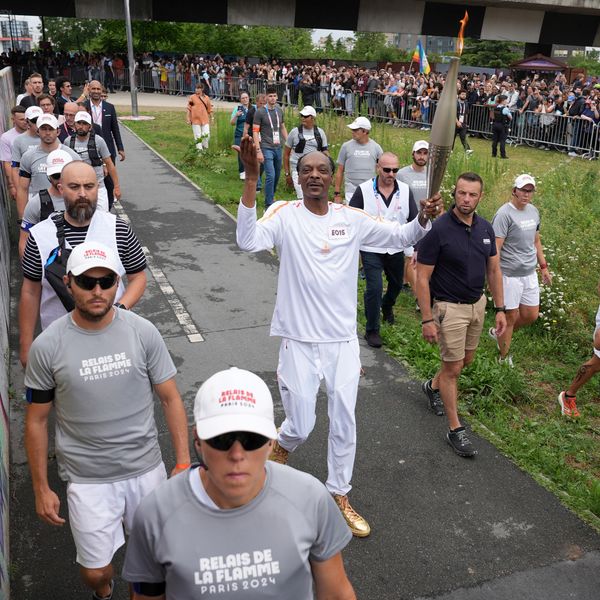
(521, 290)
(99, 511)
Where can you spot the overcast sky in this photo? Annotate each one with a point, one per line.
(335, 33)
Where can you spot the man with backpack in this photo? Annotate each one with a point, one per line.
(304, 139)
(63, 231)
(92, 149)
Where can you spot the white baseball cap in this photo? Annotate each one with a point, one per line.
(308, 111)
(361, 123)
(56, 160)
(522, 180)
(47, 119)
(83, 115)
(91, 255)
(420, 145)
(234, 400)
(33, 112)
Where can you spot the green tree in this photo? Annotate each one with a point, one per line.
(71, 34)
(369, 45)
(487, 53)
(589, 62)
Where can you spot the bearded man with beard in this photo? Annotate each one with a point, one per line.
(81, 222)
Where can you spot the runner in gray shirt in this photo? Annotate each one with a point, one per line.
(516, 226)
(357, 159)
(98, 366)
(237, 526)
(32, 170)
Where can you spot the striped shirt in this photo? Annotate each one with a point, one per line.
(130, 251)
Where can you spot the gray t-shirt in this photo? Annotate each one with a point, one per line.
(33, 166)
(309, 146)
(416, 181)
(260, 550)
(105, 428)
(518, 256)
(359, 161)
(21, 144)
(33, 209)
(267, 127)
(81, 147)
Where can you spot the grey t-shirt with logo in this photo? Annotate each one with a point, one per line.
(81, 147)
(33, 166)
(359, 161)
(416, 181)
(518, 256)
(253, 552)
(105, 428)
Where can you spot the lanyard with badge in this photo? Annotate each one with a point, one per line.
(276, 140)
(395, 199)
(97, 113)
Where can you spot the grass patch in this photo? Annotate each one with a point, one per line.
(515, 408)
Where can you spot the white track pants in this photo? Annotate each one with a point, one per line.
(201, 135)
(301, 367)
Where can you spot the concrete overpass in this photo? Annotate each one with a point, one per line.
(539, 23)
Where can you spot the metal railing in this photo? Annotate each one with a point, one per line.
(547, 131)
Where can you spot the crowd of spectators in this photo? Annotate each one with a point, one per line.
(398, 95)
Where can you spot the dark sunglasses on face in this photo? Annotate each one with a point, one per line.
(85, 282)
(55, 176)
(390, 169)
(249, 440)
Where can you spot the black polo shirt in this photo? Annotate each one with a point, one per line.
(459, 254)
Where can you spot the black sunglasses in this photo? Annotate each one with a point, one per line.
(55, 176)
(249, 441)
(85, 282)
(390, 170)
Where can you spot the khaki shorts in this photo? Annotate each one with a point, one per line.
(460, 327)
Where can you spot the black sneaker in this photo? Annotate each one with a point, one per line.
(435, 400)
(459, 440)
(388, 314)
(373, 339)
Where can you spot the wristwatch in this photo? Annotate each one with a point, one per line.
(120, 305)
(500, 309)
(336, 194)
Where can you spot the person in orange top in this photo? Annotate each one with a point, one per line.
(199, 115)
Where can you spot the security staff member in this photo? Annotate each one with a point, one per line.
(501, 119)
(386, 199)
(454, 259)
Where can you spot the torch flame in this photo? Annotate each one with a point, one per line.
(461, 37)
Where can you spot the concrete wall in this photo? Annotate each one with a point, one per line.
(7, 98)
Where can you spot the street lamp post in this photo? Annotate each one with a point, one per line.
(131, 58)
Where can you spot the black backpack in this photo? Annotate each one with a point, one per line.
(46, 205)
(56, 265)
(302, 142)
(91, 148)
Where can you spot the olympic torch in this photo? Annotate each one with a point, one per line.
(443, 127)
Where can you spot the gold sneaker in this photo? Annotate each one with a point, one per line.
(358, 525)
(279, 454)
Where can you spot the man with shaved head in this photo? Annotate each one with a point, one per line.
(386, 199)
(79, 222)
(315, 312)
(105, 116)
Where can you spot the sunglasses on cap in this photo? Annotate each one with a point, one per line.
(85, 282)
(390, 169)
(249, 440)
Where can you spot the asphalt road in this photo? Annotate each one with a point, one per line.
(443, 527)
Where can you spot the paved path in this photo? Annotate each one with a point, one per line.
(443, 527)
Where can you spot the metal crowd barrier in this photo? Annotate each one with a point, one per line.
(544, 131)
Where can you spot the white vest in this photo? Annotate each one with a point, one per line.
(374, 204)
(103, 229)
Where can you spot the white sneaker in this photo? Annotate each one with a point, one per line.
(506, 361)
(572, 154)
(243, 175)
(469, 151)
